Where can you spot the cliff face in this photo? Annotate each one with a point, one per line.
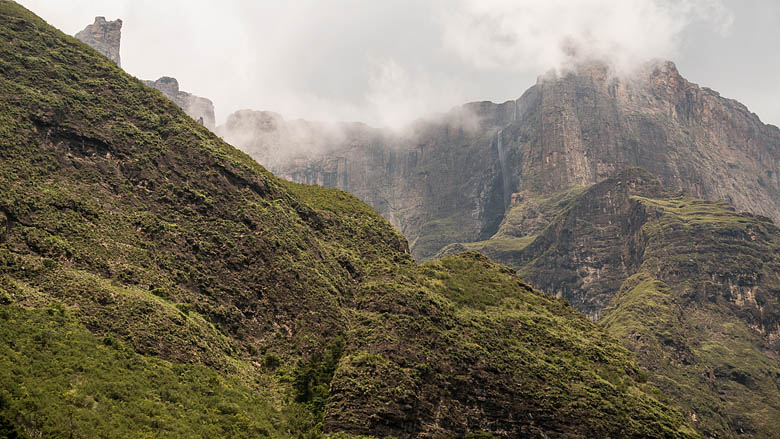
(691, 286)
(198, 108)
(450, 179)
(104, 36)
(439, 182)
(585, 127)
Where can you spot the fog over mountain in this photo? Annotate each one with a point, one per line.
(386, 63)
(472, 219)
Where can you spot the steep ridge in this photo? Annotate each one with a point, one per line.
(691, 286)
(154, 281)
(446, 179)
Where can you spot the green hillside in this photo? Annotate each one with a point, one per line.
(156, 282)
(690, 286)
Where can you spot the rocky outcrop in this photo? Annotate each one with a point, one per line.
(103, 36)
(450, 179)
(198, 108)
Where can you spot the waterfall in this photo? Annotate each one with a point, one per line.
(514, 113)
(505, 176)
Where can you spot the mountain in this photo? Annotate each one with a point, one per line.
(157, 282)
(451, 178)
(691, 286)
(621, 195)
(104, 36)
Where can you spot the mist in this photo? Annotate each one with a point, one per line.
(388, 63)
(558, 34)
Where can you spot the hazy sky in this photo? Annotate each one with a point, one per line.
(389, 61)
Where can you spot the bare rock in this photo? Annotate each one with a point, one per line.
(103, 36)
(451, 178)
(199, 108)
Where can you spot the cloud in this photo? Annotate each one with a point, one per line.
(539, 35)
(387, 63)
(398, 95)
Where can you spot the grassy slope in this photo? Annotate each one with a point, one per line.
(705, 335)
(156, 282)
(527, 216)
(700, 309)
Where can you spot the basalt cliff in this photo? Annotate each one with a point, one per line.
(452, 178)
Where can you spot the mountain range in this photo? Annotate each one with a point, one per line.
(597, 258)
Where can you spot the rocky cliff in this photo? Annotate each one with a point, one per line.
(438, 182)
(198, 108)
(103, 36)
(451, 178)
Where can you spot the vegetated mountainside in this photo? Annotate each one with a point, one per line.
(156, 282)
(450, 178)
(691, 286)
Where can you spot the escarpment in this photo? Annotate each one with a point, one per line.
(450, 178)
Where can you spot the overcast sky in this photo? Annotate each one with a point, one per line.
(390, 61)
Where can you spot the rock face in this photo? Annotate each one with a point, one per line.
(450, 179)
(691, 286)
(198, 108)
(438, 182)
(104, 37)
